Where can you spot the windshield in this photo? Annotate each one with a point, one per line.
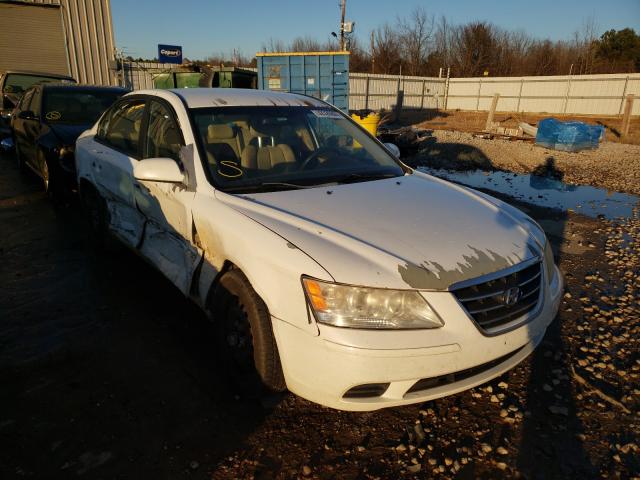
(76, 106)
(266, 148)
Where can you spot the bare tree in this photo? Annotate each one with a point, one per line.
(415, 35)
(387, 50)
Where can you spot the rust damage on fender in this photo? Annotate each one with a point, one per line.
(430, 275)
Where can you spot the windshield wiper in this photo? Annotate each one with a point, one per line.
(360, 177)
(265, 186)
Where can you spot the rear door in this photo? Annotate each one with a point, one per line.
(167, 241)
(114, 152)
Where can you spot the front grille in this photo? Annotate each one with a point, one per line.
(428, 383)
(495, 303)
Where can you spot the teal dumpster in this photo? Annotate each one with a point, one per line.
(324, 75)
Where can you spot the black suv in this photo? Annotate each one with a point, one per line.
(46, 123)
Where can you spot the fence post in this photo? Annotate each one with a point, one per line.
(624, 94)
(494, 104)
(520, 94)
(626, 119)
(446, 90)
(399, 101)
(566, 97)
(478, 99)
(424, 82)
(366, 94)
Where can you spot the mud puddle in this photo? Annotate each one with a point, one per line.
(546, 192)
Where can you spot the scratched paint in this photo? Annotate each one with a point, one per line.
(433, 276)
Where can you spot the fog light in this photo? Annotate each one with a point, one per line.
(367, 390)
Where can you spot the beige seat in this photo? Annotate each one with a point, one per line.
(267, 157)
(222, 143)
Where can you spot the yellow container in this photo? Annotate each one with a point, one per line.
(369, 123)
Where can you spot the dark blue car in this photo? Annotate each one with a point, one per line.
(46, 123)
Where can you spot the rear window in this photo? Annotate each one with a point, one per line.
(80, 107)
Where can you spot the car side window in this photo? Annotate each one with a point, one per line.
(123, 129)
(163, 139)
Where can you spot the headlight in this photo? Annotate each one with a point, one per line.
(363, 307)
(549, 263)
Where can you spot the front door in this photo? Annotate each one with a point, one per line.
(167, 207)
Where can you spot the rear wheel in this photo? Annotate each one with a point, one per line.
(246, 343)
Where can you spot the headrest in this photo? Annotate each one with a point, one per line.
(220, 132)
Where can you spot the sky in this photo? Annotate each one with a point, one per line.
(206, 27)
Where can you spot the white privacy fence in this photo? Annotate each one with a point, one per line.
(568, 94)
(575, 94)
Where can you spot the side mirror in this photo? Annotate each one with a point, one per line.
(158, 170)
(27, 115)
(393, 148)
(7, 144)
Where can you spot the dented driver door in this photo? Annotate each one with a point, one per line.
(167, 235)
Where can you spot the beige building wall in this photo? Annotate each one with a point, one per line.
(87, 36)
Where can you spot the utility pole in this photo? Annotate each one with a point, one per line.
(343, 5)
(373, 55)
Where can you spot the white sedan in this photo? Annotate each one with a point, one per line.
(329, 267)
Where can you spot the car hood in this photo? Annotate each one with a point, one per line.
(68, 134)
(415, 231)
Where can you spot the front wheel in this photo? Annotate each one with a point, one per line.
(246, 343)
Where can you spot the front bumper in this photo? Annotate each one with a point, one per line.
(323, 368)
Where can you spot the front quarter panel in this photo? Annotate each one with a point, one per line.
(272, 265)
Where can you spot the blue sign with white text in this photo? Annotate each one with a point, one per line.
(170, 54)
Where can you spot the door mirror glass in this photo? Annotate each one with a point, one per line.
(158, 170)
(393, 148)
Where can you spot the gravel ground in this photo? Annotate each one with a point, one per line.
(614, 166)
(108, 372)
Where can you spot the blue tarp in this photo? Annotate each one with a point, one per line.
(568, 136)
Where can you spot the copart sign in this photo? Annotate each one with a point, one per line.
(170, 54)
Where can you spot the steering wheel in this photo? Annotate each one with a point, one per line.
(316, 154)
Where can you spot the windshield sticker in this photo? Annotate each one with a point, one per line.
(327, 114)
(53, 115)
(229, 169)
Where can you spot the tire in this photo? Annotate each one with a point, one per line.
(247, 346)
(97, 217)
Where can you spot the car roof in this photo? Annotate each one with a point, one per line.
(67, 86)
(236, 97)
(38, 74)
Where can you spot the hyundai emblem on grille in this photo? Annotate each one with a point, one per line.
(511, 296)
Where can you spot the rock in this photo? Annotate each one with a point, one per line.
(414, 468)
(502, 451)
(501, 465)
(547, 388)
(194, 465)
(306, 470)
(486, 448)
(503, 385)
(494, 399)
(504, 413)
(401, 448)
(448, 461)
(559, 410)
